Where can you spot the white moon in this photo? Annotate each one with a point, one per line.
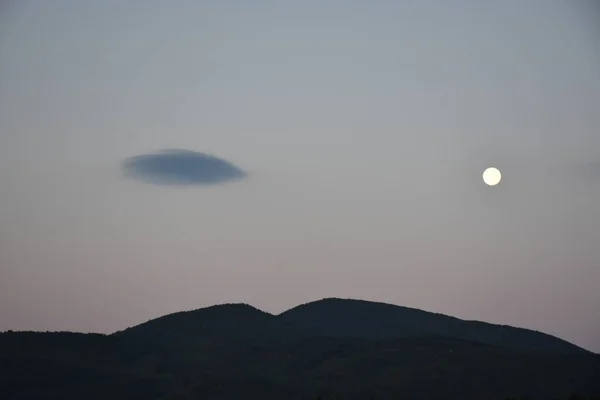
(492, 176)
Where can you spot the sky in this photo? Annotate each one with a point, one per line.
(163, 156)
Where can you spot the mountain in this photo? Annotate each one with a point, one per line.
(332, 348)
(338, 318)
(357, 318)
(221, 322)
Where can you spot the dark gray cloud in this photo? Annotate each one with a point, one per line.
(181, 167)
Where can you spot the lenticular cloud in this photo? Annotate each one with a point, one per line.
(181, 167)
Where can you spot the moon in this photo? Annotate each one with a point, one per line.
(492, 176)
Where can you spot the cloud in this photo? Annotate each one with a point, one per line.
(181, 167)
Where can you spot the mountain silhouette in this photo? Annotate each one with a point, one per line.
(331, 348)
(358, 318)
(220, 322)
(340, 318)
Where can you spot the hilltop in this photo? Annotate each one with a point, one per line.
(352, 349)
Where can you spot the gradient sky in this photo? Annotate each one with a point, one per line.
(364, 127)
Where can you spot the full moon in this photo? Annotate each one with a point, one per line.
(492, 176)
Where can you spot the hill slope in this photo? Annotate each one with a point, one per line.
(363, 319)
(346, 348)
(337, 318)
(221, 322)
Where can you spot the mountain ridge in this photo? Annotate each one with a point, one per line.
(330, 349)
(344, 317)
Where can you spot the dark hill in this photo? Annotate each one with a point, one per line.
(220, 322)
(338, 318)
(333, 348)
(364, 319)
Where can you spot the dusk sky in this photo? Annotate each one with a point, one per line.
(159, 156)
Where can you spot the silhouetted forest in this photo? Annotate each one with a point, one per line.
(330, 349)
